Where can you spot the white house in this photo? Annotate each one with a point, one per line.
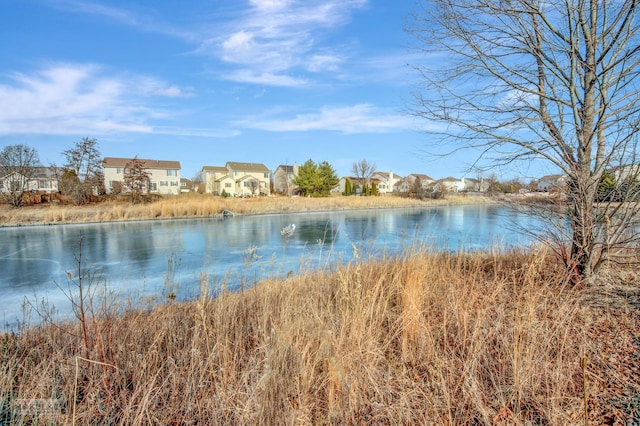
(552, 183)
(474, 185)
(164, 175)
(450, 184)
(42, 179)
(386, 181)
(237, 179)
(628, 172)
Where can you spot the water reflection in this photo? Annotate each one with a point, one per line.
(134, 257)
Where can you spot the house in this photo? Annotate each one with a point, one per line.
(164, 175)
(357, 184)
(552, 183)
(449, 184)
(42, 179)
(628, 172)
(187, 185)
(283, 179)
(237, 179)
(386, 181)
(407, 184)
(474, 185)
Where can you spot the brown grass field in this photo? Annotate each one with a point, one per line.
(195, 205)
(495, 338)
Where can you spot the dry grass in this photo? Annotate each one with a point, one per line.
(425, 338)
(194, 205)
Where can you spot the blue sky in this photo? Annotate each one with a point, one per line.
(210, 81)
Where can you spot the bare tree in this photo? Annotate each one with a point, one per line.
(18, 166)
(198, 182)
(532, 79)
(136, 179)
(363, 170)
(83, 174)
(254, 186)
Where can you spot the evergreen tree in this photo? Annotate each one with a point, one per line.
(607, 186)
(307, 176)
(347, 187)
(316, 180)
(328, 179)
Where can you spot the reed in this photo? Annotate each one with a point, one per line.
(422, 338)
(196, 205)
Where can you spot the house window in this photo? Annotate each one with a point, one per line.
(1, 184)
(164, 183)
(153, 186)
(227, 185)
(44, 184)
(172, 173)
(246, 184)
(266, 175)
(119, 170)
(174, 183)
(236, 173)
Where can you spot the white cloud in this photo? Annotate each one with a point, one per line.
(360, 118)
(318, 63)
(122, 16)
(265, 78)
(80, 99)
(281, 37)
(269, 4)
(195, 132)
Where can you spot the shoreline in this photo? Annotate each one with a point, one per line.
(205, 207)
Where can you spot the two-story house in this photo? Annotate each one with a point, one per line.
(283, 178)
(407, 184)
(449, 184)
(385, 181)
(164, 175)
(237, 179)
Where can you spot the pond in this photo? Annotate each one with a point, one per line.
(155, 258)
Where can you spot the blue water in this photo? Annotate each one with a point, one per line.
(155, 258)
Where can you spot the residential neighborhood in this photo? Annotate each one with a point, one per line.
(114, 175)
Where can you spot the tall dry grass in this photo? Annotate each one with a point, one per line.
(195, 205)
(425, 338)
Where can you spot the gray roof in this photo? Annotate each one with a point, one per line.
(247, 167)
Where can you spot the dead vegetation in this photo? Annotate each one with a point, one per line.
(195, 205)
(424, 338)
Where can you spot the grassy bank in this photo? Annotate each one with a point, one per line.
(194, 205)
(424, 338)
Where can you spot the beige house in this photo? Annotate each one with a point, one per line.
(164, 176)
(406, 185)
(237, 179)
